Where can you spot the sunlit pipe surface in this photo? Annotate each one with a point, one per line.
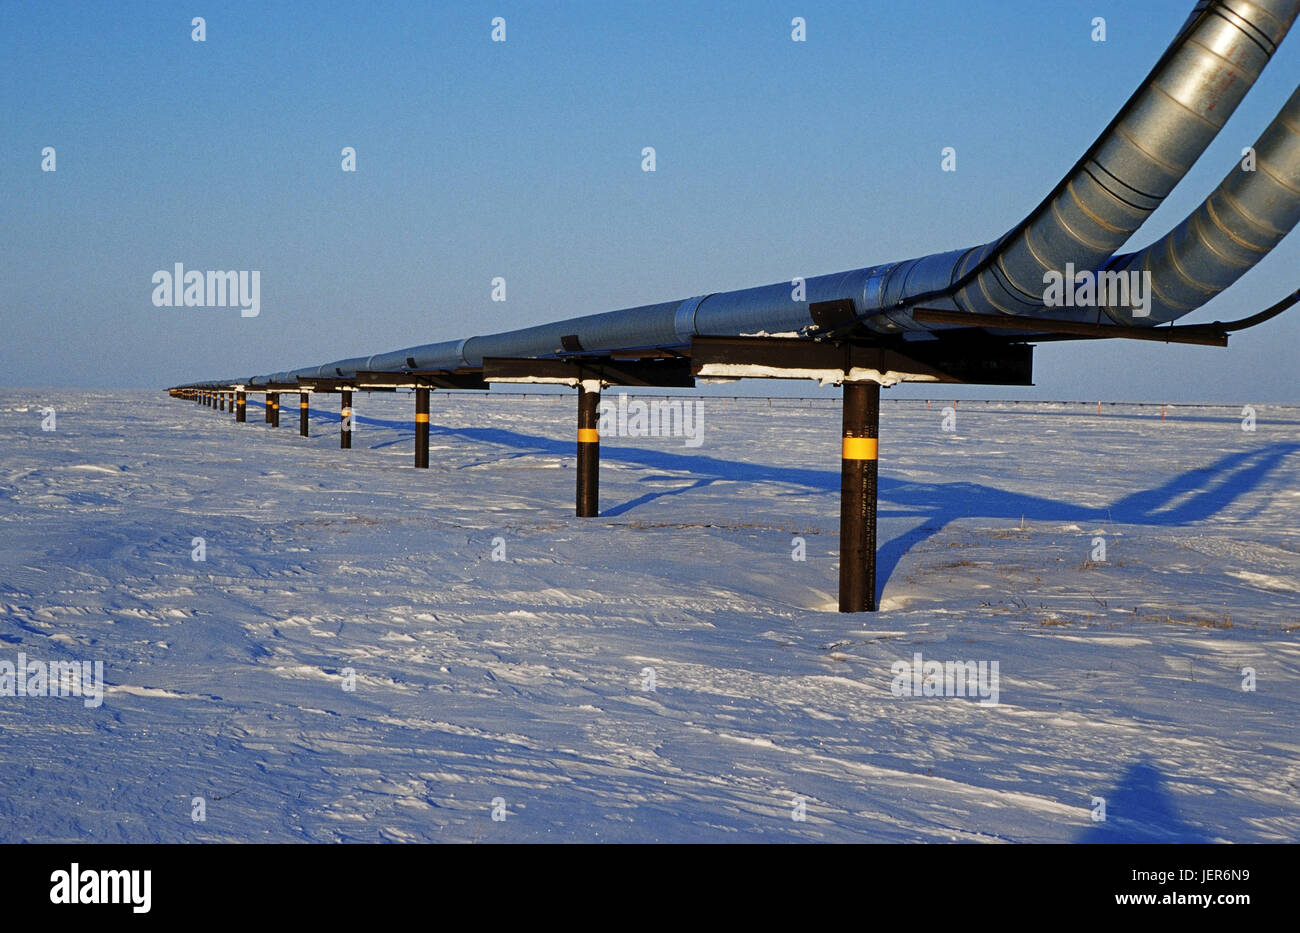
(1250, 212)
(1161, 131)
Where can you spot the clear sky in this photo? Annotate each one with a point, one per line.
(522, 159)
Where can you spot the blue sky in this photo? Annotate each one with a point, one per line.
(522, 159)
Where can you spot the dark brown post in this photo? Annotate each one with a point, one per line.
(302, 413)
(588, 449)
(422, 427)
(241, 401)
(858, 474)
(345, 429)
(274, 399)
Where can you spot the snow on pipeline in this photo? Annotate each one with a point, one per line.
(213, 631)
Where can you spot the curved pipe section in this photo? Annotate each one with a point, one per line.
(1148, 148)
(1233, 229)
(1163, 128)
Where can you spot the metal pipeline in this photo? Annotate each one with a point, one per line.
(1145, 151)
(1234, 228)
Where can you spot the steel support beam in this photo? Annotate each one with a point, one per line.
(962, 358)
(410, 379)
(674, 372)
(858, 476)
(422, 427)
(588, 499)
(1206, 335)
(345, 425)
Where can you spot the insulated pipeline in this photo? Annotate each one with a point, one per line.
(1253, 208)
(1122, 178)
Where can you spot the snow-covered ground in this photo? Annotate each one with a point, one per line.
(526, 679)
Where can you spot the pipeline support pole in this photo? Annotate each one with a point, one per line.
(588, 504)
(302, 413)
(421, 427)
(241, 401)
(858, 475)
(345, 426)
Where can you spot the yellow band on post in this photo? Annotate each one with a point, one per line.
(860, 448)
(588, 436)
(421, 417)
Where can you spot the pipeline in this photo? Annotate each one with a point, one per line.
(1247, 215)
(1123, 177)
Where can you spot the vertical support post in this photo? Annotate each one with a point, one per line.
(240, 402)
(302, 413)
(345, 426)
(274, 399)
(422, 427)
(588, 505)
(858, 475)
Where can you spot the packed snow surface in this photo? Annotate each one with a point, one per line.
(668, 671)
